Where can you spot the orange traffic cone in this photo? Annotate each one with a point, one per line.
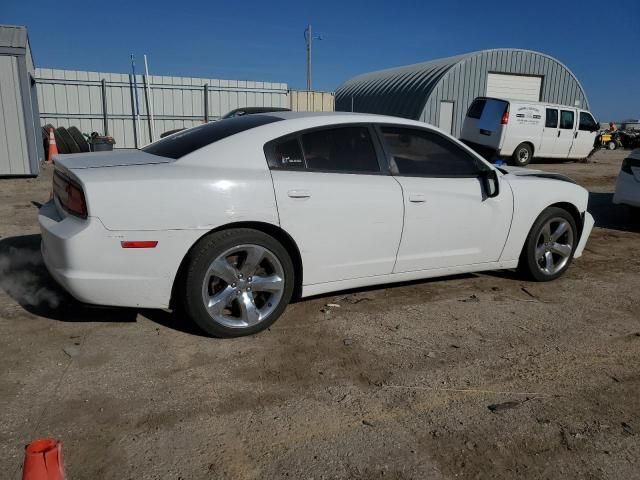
(43, 460)
(53, 148)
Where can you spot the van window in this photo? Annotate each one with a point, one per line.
(476, 108)
(586, 122)
(566, 119)
(552, 118)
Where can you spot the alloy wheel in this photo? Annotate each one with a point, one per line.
(554, 245)
(243, 286)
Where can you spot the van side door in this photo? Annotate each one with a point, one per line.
(566, 133)
(550, 133)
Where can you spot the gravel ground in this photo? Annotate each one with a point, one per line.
(478, 376)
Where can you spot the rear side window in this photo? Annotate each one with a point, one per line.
(288, 154)
(586, 122)
(476, 108)
(423, 153)
(192, 139)
(552, 118)
(344, 149)
(566, 119)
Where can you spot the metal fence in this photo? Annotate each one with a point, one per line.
(106, 102)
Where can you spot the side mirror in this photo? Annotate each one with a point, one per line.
(490, 183)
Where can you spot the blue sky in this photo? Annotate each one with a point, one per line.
(264, 40)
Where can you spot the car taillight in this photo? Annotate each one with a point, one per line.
(505, 117)
(70, 195)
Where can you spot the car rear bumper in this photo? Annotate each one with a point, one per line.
(89, 262)
(627, 190)
(586, 231)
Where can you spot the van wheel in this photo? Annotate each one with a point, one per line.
(522, 155)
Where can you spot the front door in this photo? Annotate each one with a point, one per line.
(585, 136)
(566, 133)
(550, 133)
(336, 203)
(449, 221)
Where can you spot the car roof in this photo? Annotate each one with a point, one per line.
(350, 117)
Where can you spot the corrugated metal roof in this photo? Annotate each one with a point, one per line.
(404, 89)
(13, 36)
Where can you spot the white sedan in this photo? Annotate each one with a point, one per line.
(628, 183)
(232, 219)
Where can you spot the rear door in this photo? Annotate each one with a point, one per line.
(566, 132)
(449, 221)
(550, 133)
(339, 204)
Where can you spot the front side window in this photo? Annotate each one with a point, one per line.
(586, 122)
(566, 119)
(344, 149)
(552, 118)
(423, 153)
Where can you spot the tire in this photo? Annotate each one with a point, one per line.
(522, 155)
(72, 146)
(79, 139)
(611, 145)
(533, 259)
(238, 306)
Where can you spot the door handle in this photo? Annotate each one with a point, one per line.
(558, 133)
(575, 135)
(299, 193)
(417, 198)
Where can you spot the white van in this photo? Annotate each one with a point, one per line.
(520, 130)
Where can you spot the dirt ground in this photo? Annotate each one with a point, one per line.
(474, 376)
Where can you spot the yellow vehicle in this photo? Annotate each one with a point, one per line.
(608, 140)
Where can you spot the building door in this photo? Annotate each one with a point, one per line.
(514, 87)
(445, 121)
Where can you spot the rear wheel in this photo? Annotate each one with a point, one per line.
(522, 155)
(611, 145)
(549, 248)
(238, 282)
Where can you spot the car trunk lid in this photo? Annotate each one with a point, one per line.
(108, 159)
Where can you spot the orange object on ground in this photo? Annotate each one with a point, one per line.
(53, 148)
(43, 460)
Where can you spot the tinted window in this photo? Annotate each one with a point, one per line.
(476, 108)
(287, 154)
(419, 152)
(586, 122)
(566, 119)
(192, 139)
(347, 149)
(552, 118)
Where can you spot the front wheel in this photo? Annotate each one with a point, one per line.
(549, 248)
(237, 282)
(522, 155)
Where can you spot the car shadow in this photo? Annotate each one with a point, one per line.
(24, 278)
(614, 217)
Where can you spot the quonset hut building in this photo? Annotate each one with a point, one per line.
(439, 92)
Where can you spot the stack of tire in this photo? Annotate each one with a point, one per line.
(68, 140)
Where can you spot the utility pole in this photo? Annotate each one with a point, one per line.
(308, 36)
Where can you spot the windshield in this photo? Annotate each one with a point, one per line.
(182, 143)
